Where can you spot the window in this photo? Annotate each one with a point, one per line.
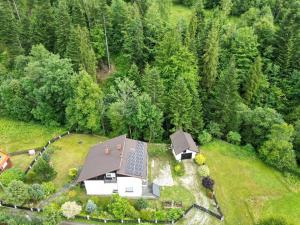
(129, 189)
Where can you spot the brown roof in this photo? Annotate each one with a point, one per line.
(182, 141)
(125, 156)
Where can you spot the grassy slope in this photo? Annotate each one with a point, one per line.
(248, 189)
(16, 135)
(179, 12)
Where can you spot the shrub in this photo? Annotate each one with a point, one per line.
(90, 206)
(11, 174)
(179, 169)
(147, 214)
(203, 171)
(132, 212)
(141, 204)
(234, 137)
(174, 214)
(160, 215)
(70, 209)
(43, 171)
(273, 221)
(36, 192)
(72, 194)
(204, 137)
(214, 129)
(51, 215)
(200, 159)
(208, 183)
(49, 188)
(118, 207)
(17, 193)
(73, 172)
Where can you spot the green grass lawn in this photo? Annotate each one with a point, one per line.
(179, 12)
(246, 188)
(70, 153)
(16, 135)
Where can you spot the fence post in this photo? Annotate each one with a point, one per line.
(122, 221)
(155, 221)
(68, 132)
(88, 217)
(15, 207)
(104, 221)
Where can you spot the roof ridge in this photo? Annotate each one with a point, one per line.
(123, 147)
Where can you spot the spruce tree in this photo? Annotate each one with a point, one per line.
(62, 28)
(73, 48)
(42, 25)
(211, 57)
(133, 45)
(224, 104)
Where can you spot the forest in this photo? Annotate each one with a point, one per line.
(230, 71)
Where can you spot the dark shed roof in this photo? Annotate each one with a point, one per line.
(113, 155)
(182, 141)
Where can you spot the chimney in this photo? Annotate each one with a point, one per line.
(107, 150)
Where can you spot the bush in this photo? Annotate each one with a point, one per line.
(160, 215)
(90, 207)
(36, 192)
(200, 159)
(118, 207)
(273, 221)
(70, 209)
(51, 215)
(174, 214)
(208, 183)
(203, 171)
(73, 172)
(204, 137)
(147, 214)
(11, 174)
(42, 171)
(214, 129)
(17, 193)
(132, 212)
(141, 204)
(234, 137)
(49, 188)
(179, 169)
(72, 194)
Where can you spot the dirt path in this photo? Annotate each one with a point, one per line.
(165, 176)
(190, 182)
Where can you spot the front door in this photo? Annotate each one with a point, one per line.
(186, 156)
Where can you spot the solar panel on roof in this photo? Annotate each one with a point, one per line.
(135, 160)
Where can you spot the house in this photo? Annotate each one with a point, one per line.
(183, 146)
(119, 165)
(5, 161)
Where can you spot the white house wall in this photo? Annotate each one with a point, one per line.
(98, 187)
(178, 156)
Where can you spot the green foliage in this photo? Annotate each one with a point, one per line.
(85, 105)
(73, 172)
(132, 212)
(178, 169)
(234, 137)
(51, 215)
(277, 150)
(214, 129)
(147, 214)
(42, 171)
(17, 193)
(203, 171)
(49, 188)
(10, 175)
(200, 159)
(90, 206)
(118, 207)
(174, 213)
(98, 42)
(204, 137)
(36, 192)
(141, 203)
(273, 221)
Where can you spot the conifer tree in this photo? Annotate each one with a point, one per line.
(9, 33)
(62, 28)
(211, 57)
(253, 81)
(77, 13)
(153, 85)
(42, 25)
(133, 45)
(224, 105)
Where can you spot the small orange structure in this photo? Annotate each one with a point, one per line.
(5, 162)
